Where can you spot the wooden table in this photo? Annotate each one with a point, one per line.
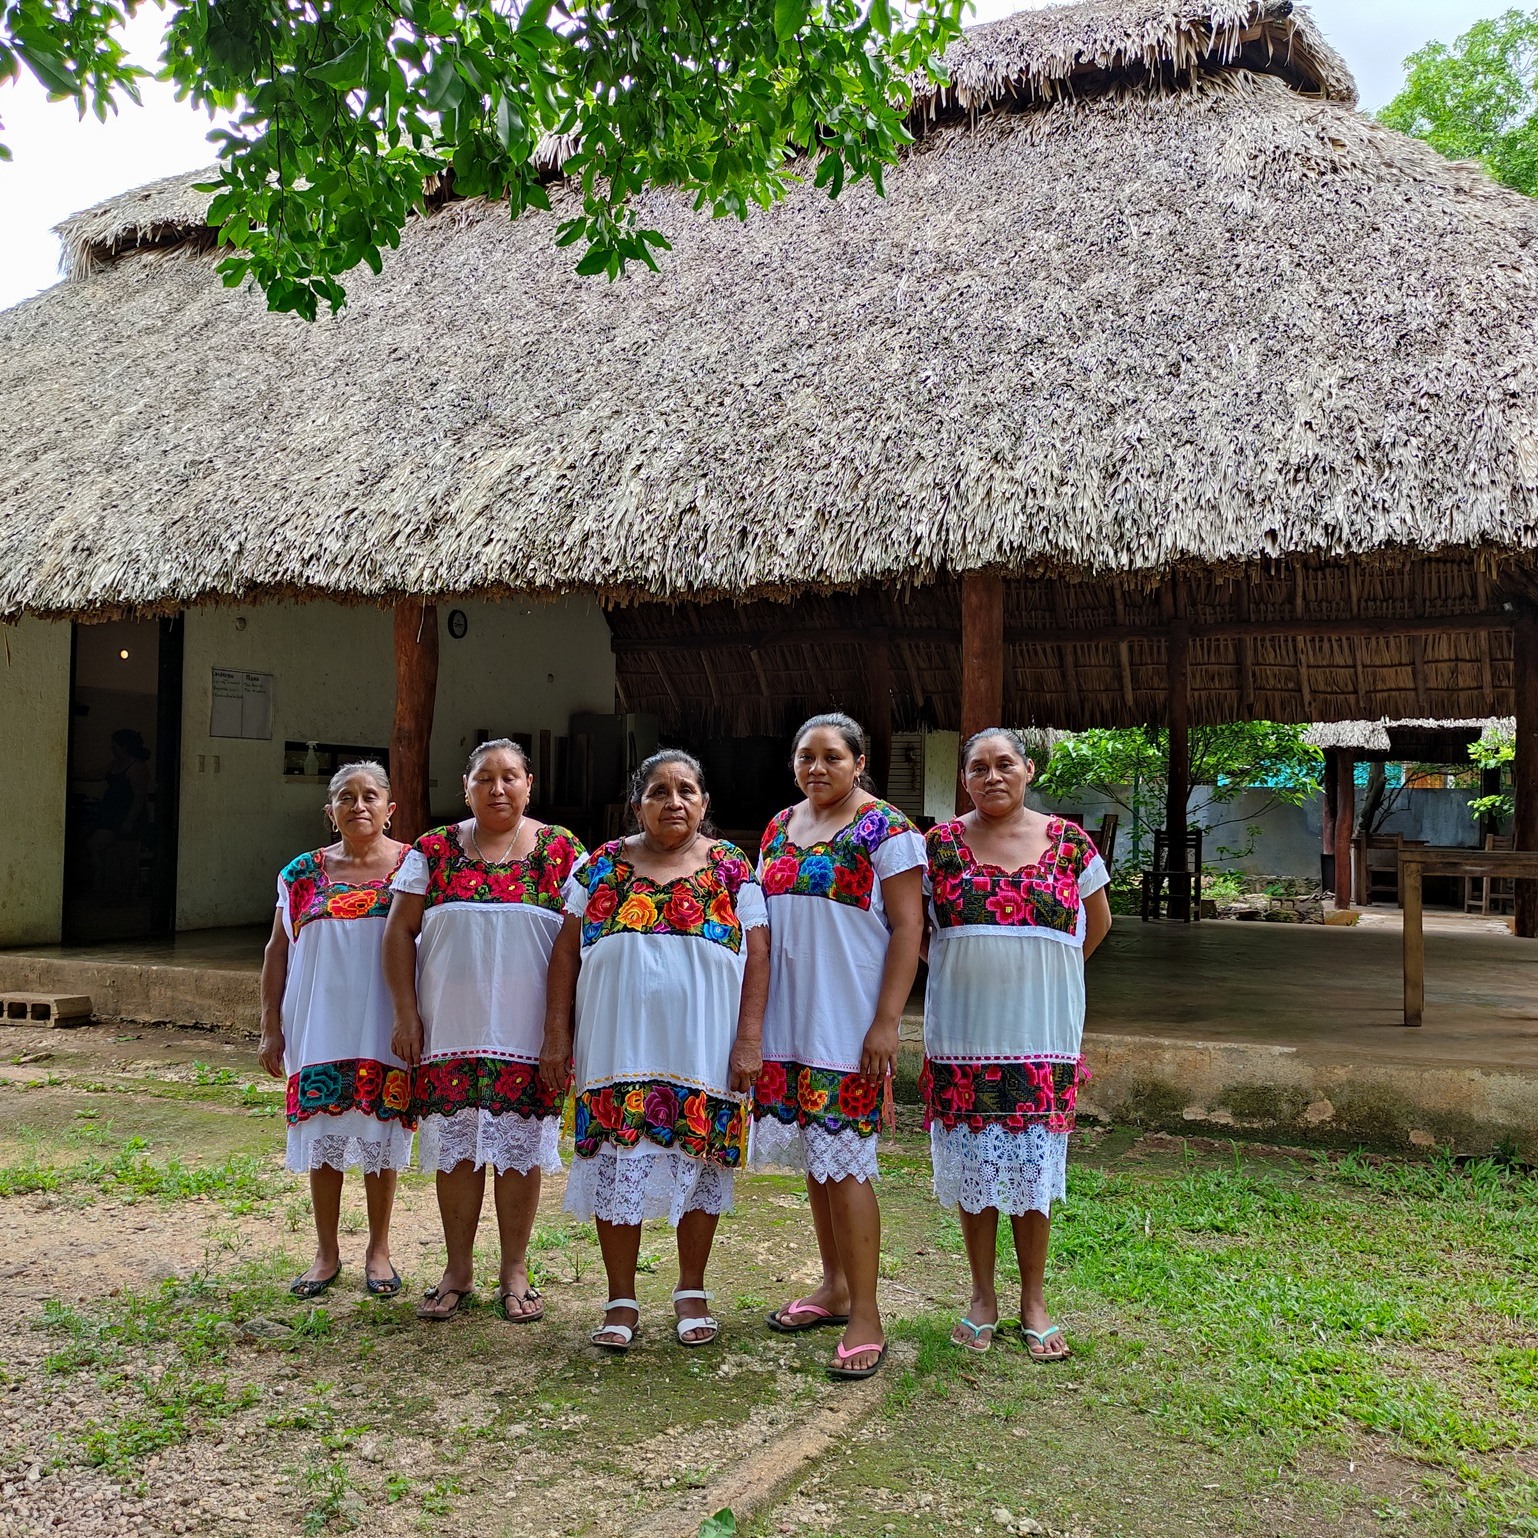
(1416, 862)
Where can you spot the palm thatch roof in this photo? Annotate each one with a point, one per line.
(1146, 297)
(1408, 739)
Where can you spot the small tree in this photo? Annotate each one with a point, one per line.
(1130, 767)
(1496, 750)
(1477, 99)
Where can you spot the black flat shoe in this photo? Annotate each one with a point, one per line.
(313, 1286)
(384, 1286)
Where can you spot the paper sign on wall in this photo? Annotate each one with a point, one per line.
(242, 704)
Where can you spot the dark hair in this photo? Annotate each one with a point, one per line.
(131, 742)
(847, 728)
(648, 769)
(1008, 733)
(496, 745)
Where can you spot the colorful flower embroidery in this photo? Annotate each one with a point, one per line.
(701, 906)
(538, 878)
(355, 1084)
(1033, 1091)
(496, 1084)
(798, 1095)
(312, 894)
(839, 868)
(1042, 896)
(671, 1115)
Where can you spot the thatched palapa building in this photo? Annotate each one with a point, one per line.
(1161, 385)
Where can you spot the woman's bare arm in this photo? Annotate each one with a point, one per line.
(903, 896)
(748, 1049)
(274, 980)
(400, 969)
(560, 1004)
(1097, 921)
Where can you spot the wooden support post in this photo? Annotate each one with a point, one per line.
(1414, 942)
(1177, 801)
(1345, 826)
(1524, 827)
(1329, 868)
(982, 661)
(416, 692)
(879, 718)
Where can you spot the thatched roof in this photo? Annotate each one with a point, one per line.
(1382, 737)
(1193, 312)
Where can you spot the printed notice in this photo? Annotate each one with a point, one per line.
(242, 704)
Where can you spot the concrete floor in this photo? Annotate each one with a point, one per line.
(1284, 1030)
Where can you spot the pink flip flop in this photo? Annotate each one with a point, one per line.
(844, 1353)
(822, 1318)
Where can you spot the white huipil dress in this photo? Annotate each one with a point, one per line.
(658, 1130)
(482, 960)
(1004, 1018)
(349, 1096)
(814, 1111)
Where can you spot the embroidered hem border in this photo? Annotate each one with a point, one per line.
(381, 1090)
(1015, 1095)
(497, 1084)
(663, 1112)
(796, 1094)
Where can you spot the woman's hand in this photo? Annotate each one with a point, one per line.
(406, 1039)
(878, 1054)
(269, 1051)
(743, 1066)
(555, 1062)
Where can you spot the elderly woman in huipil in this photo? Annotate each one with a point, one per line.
(1016, 905)
(326, 1023)
(664, 958)
(478, 905)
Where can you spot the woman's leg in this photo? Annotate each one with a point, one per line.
(326, 1204)
(980, 1231)
(379, 1197)
(461, 1191)
(696, 1234)
(620, 1245)
(856, 1224)
(832, 1293)
(1032, 1232)
(517, 1199)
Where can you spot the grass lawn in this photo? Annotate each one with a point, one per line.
(1263, 1344)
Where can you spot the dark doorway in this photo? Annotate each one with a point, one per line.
(124, 749)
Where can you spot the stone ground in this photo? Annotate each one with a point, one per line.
(1267, 1343)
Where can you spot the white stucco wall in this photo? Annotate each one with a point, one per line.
(334, 681)
(34, 725)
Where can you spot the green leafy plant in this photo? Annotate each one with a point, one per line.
(1495, 751)
(1476, 99)
(722, 1525)
(338, 119)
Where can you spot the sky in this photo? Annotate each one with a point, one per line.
(62, 164)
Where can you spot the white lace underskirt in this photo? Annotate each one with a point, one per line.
(813, 1151)
(353, 1141)
(633, 1184)
(509, 1143)
(1017, 1172)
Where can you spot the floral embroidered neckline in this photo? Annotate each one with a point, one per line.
(1054, 841)
(832, 839)
(712, 856)
(452, 832)
(361, 886)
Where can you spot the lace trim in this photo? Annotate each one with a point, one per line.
(517, 1143)
(311, 1148)
(1017, 1172)
(645, 1183)
(813, 1151)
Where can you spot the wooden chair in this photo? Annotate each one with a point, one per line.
(1375, 866)
(1105, 839)
(1160, 882)
(1490, 894)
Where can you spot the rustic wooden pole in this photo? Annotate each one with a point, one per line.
(982, 661)
(1178, 797)
(1328, 867)
(879, 718)
(1345, 819)
(1414, 942)
(416, 691)
(1524, 826)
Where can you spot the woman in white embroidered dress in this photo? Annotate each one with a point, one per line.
(665, 958)
(842, 873)
(326, 1024)
(485, 897)
(1016, 903)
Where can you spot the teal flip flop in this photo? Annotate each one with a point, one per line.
(977, 1345)
(1039, 1353)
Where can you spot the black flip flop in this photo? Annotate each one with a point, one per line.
(312, 1286)
(384, 1286)
(462, 1296)
(821, 1319)
(533, 1295)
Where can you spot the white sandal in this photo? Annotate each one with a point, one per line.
(700, 1322)
(627, 1330)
